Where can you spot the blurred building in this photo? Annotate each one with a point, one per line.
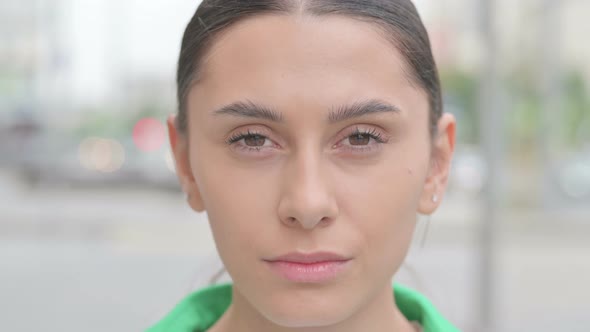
(65, 55)
(72, 55)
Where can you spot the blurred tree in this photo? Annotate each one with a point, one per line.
(523, 119)
(460, 94)
(575, 130)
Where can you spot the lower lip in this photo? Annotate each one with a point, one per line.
(309, 272)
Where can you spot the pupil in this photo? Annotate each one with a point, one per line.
(254, 140)
(359, 139)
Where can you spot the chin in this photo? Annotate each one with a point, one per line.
(298, 310)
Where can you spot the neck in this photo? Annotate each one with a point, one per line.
(381, 314)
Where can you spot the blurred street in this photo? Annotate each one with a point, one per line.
(96, 236)
(117, 260)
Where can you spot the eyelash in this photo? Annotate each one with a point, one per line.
(240, 136)
(372, 134)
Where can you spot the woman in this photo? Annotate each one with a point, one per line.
(312, 133)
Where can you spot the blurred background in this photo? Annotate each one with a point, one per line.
(95, 234)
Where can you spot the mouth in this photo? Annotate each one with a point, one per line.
(316, 267)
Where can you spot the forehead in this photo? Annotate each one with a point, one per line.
(306, 61)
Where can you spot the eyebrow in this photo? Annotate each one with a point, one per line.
(361, 108)
(249, 109)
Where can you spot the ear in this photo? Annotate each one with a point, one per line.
(442, 152)
(179, 145)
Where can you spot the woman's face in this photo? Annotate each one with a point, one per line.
(306, 135)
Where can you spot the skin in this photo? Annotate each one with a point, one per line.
(310, 184)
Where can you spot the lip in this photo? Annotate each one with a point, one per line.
(315, 267)
(313, 257)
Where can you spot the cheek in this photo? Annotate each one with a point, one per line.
(238, 200)
(382, 203)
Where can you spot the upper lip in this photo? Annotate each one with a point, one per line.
(312, 257)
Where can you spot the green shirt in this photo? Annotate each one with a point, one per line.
(200, 310)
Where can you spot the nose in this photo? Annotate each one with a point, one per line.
(307, 200)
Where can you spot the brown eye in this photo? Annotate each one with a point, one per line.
(359, 139)
(254, 140)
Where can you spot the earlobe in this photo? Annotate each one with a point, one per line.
(179, 147)
(195, 202)
(431, 194)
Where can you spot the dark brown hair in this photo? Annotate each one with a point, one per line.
(397, 19)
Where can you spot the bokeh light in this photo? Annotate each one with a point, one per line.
(149, 134)
(470, 172)
(575, 179)
(100, 154)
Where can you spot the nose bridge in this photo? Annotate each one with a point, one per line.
(307, 198)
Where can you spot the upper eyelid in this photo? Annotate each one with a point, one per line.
(249, 130)
(362, 127)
